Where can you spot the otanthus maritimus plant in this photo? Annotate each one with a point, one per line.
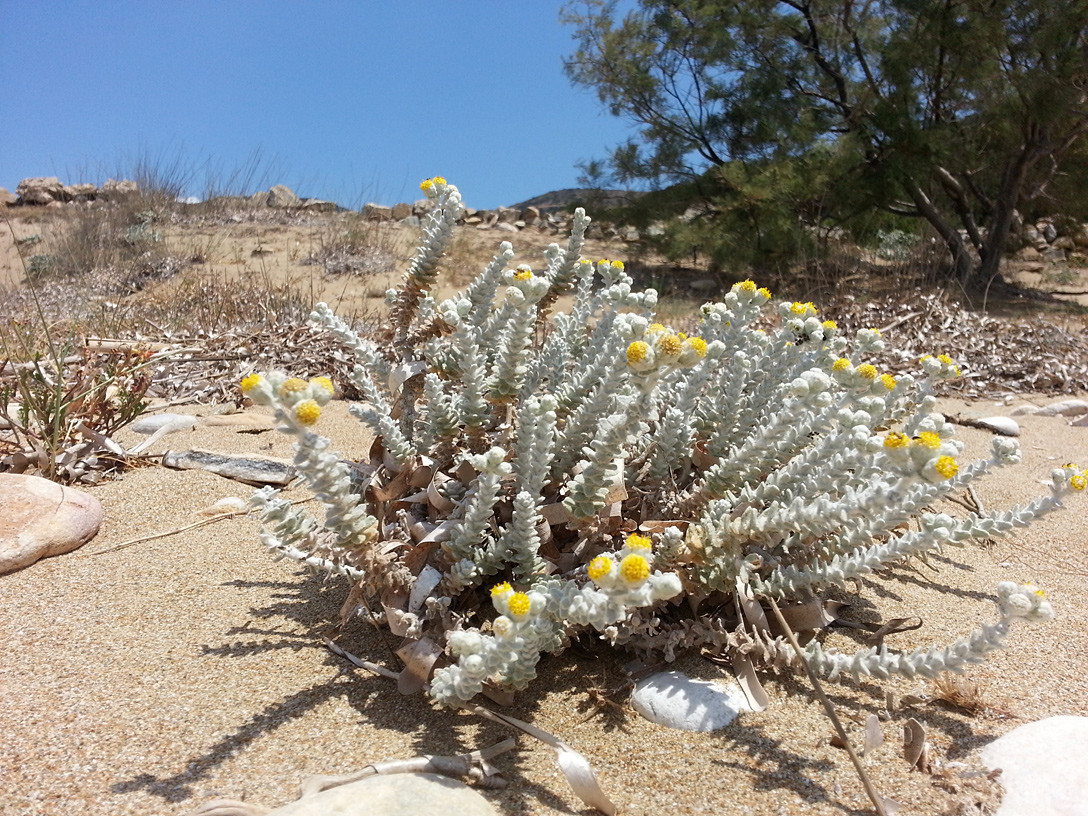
(537, 474)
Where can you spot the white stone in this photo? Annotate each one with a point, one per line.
(1001, 424)
(1072, 407)
(1025, 410)
(395, 794)
(677, 701)
(1043, 767)
(149, 423)
(1080, 422)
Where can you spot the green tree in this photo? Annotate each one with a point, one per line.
(958, 112)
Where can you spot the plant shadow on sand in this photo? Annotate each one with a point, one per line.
(300, 613)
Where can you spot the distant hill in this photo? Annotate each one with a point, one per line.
(581, 197)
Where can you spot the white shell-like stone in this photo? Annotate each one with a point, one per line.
(677, 701)
(1002, 424)
(1042, 767)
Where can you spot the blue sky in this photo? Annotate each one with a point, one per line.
(351, 101)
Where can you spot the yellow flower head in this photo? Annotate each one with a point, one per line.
(438, 180)
(323, 382)
(1078, 482)
(944, 358)
(637, 351)
(617, 265)
(670, 345)
(656, 328)
(764, 292)
(802, 309)
(868, 371)
(426, 185)
(518, 604)
(524, 273)
(600, 567)
(635, 569)
(603, 261)
(841, 364)
(501, 589)
(889, 381)
(830, 324)
(293, 385)
(698, 344)
(928, 439)
(636, 541)
(746, 286)
(896, 440)
(308, 412)
(250, 382)
(947, 467)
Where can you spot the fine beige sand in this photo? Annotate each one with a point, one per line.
(151, 679)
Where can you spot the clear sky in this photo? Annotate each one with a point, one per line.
(353, 101)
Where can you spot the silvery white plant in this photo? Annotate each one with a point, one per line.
(538, 473)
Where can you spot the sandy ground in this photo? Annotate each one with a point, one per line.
(153, 678)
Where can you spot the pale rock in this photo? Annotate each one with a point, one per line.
(80, 192)
(251, 469)
(376, 212)
(283, 197)
(42, 518)
(401, 211)
(677, 701)
(7, 199)
(506, 215)
(530, 215)
(1070, 407)
(258, 199)
(319, 205)
(505, 226)
(114, 188)
(1024, 410)
(1001, 424)
(1080, 422)
(1042, 767)
(393, 795)
(40, 190)
(150, 423)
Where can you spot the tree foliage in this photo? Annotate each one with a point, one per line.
(781, 115)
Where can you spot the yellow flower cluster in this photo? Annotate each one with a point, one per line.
(250, 382)
(428, 184)
(894, 439)
(889, 381)
(803, 309)
(841, 364)
(519, 605)
(928, 439)
(635, 568)
(947, 467)
(637, 351)
(868, 371)
(307, 412)
(523, 273)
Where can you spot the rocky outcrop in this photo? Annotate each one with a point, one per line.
(40, 190)
(282, 196)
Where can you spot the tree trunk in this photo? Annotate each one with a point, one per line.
(1012, 182)
(962, 261)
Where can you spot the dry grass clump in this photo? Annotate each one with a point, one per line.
(353, 245)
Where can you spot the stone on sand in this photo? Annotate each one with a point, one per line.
(1043, 767)
(393, 795)
(42, 518)
(677, 701)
